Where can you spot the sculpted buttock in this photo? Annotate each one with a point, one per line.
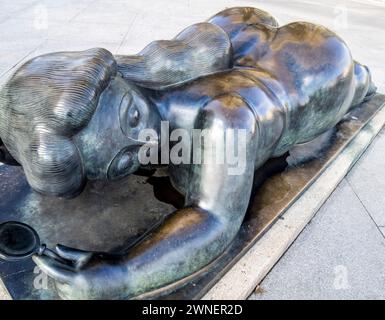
(70, 117)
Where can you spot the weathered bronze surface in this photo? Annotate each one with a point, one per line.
(154, 195)
(69, 118)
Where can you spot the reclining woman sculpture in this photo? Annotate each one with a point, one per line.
(72, 117)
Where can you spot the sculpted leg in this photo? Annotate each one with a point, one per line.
(364, 85)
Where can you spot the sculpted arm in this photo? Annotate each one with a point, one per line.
(187, 240)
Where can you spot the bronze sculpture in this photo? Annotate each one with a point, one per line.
(69, 117)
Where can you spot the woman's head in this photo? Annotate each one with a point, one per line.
(67, 117)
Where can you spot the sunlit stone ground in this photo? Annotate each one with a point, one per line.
(341, 253)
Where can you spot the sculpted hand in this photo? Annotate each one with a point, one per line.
(86, 275)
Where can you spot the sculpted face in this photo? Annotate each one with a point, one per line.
(109, 144)
(69, 117)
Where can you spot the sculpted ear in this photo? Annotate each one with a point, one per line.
(54, 166)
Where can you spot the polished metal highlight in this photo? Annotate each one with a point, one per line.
(72, 117)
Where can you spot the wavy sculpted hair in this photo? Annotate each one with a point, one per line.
(43, 105)
(52, 97)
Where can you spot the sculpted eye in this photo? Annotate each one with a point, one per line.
(129, 115)
(133, 114)
(133, 117)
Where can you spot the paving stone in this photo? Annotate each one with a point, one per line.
(340, 255)
(367, 179)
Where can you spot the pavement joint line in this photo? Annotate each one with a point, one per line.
(81, 11)
(365, 208)
(12, 13)
(26, 7)
(15, 273)
(22, 59)
(125, 35)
